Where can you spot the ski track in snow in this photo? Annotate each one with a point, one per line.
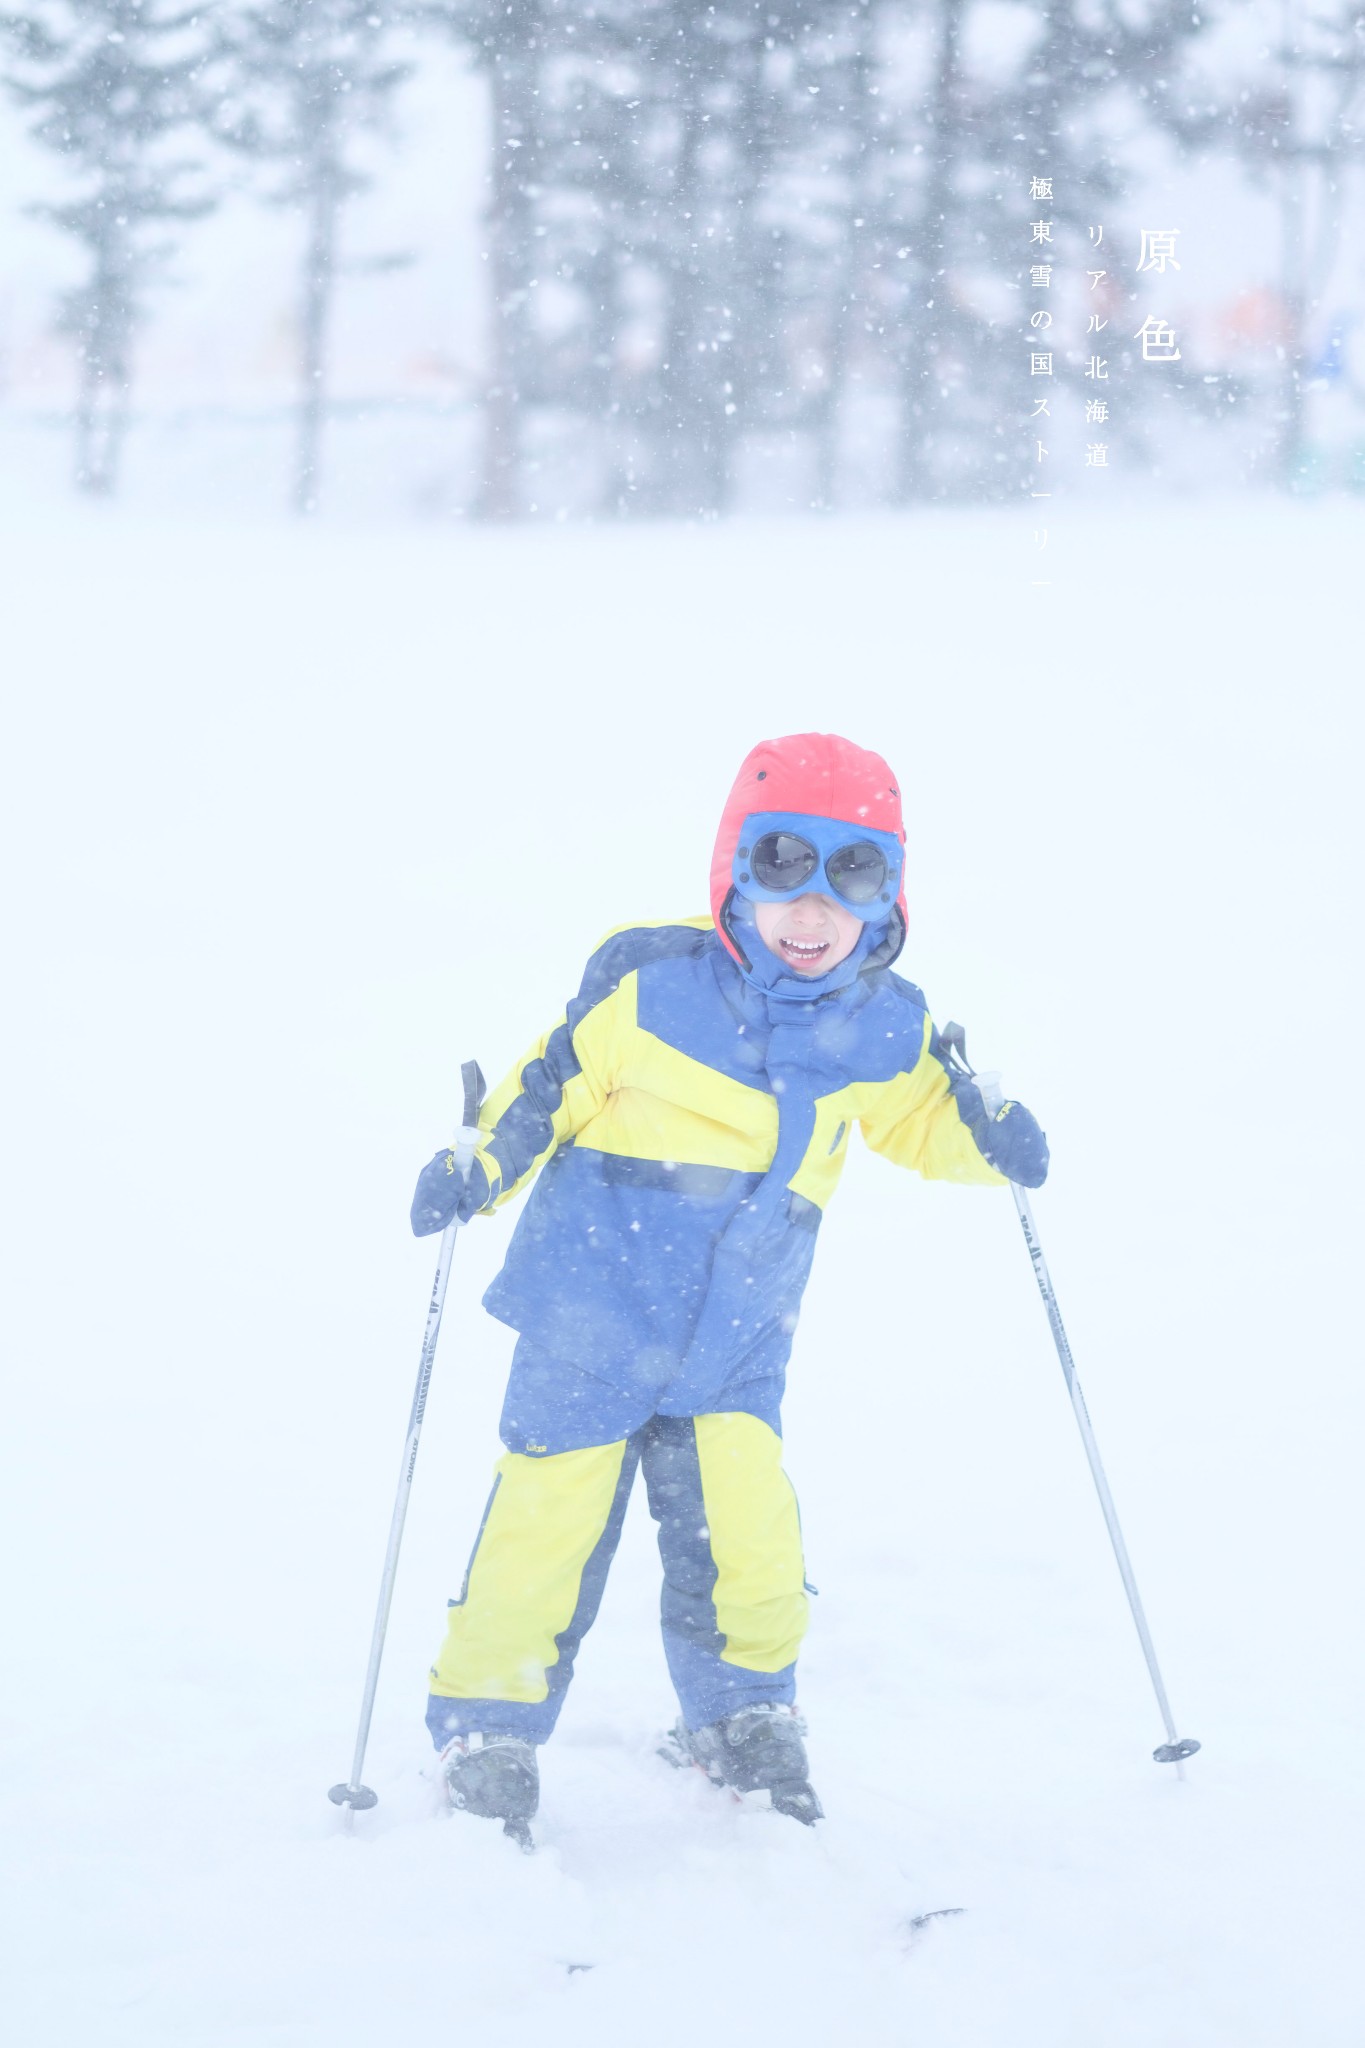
(272, 806)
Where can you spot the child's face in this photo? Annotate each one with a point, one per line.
(811, 933)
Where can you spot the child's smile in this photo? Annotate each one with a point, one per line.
(807, 952)
(811, 934)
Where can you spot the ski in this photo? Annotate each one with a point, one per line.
(918, 1923)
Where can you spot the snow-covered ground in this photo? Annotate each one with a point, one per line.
(294, 822)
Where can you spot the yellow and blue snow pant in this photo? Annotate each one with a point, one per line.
(734, 1593)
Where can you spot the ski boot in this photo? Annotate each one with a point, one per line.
(758, 1749)
(496, 1777)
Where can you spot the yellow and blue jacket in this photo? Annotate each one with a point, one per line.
(689, 1128)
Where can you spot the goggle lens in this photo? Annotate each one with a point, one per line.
(784, 862)
(858, 872)
(780, 861)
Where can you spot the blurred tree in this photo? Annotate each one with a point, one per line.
(713, 224)
(302, 82)
(633, 266)
(113, 85)
(634, 254)
(715, 84)
(509, 43)
(825, 264)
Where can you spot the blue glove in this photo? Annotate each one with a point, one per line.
(443, 1194)
(1012, 1141)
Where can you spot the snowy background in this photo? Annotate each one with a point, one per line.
(602, 258)
(295, 816)
(298, 818)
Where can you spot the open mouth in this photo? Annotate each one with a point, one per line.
(804, 952)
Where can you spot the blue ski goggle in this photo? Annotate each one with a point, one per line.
(782, 854)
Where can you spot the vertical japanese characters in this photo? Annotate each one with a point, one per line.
(1103, 295)
(1041, 359)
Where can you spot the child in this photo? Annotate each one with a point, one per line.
(691, 1113)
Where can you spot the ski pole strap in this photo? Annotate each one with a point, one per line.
(952, 1041)
(469, 1137)
(475, 1088)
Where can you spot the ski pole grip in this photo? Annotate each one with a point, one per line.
(992, 1090)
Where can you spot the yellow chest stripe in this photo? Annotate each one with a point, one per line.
(666, 1105)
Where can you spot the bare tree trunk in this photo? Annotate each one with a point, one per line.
(1289, 453)
(710, 333)
(734, 375)
(499, 491)
(115, 432)
(670, 480)
(512, 76)
(101, 426)
(602, 281)
(102, 406)
(104, 448)
(318, 283)
(844, 287)
(829, 404)
(1293, 259)
(913, 479)
(117, 385)
(86, 403)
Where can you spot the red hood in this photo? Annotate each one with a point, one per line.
(815, 772)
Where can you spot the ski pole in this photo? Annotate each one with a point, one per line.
(354, 1795)
(1176, 1747)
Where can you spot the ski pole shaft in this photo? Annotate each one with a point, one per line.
(354, 1795)
(1175, 1748)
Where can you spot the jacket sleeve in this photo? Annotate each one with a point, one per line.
(924, 1118)
(557, 1086)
